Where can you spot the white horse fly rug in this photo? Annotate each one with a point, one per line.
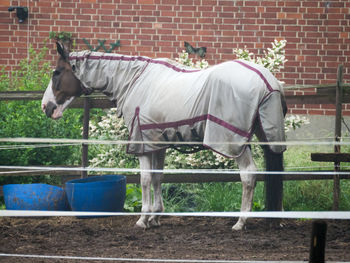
(162, 100)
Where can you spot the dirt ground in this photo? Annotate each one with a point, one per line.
(178, 238)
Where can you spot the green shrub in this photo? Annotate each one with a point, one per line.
(26, 119)
(33, 73)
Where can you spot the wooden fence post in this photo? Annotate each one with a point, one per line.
(337, 133)
(85, 160)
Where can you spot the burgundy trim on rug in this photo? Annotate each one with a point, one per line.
(192, 121)
(257, 72)
(137, 118)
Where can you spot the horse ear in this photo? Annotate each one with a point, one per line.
(60, 50)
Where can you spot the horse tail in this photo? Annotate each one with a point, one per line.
(274, 182)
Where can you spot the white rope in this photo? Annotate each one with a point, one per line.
(292, 170)
(267, 214)
(167, 171)
(125, 142)
(21, 172)
(139, 259)
(24, 146)
(313, 168)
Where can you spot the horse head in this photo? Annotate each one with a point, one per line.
(63, 87)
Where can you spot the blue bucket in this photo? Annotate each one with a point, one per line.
(35, 197)
(98, 193)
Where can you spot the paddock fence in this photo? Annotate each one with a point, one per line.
(321, 94)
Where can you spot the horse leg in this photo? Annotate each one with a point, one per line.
(246, 166)
(158, 164)
(146, 178)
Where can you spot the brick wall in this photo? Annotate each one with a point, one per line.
(317, 31)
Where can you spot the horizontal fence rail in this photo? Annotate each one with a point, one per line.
(325, 94)
(340, 215)
(309, 142)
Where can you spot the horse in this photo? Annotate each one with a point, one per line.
(164, 102)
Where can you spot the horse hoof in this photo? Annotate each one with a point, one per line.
(141, 224)
(237, 227)
(153, 222)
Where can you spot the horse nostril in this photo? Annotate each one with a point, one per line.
(43, 107)
(49, 109)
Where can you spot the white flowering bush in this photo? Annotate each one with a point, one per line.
(184, 59)
(294, 122)
(110, 127)
(273, 60)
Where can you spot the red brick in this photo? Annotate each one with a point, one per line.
(294, 111)
(261, 9)
(329, 112)
(252, 3)
(281, 15)
(316, 112)
(294, 16)
(145, 2)
(344, 35)
(328, 106)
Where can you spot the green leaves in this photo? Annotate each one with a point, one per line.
(133, 198)
(33, 73)
(60, 36)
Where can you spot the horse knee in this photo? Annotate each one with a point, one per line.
(248, 180)
(145, 180)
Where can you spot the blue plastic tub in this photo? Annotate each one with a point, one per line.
(35, 197)
(98, 193)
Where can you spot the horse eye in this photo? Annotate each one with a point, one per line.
(56, 73)
(73, 68)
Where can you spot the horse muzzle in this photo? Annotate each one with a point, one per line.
(49, 108)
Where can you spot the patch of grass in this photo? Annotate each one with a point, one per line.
(344, 204)
(315, 195)
(209, 197)
(298, 158)
(219, 197)
(180, 197)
